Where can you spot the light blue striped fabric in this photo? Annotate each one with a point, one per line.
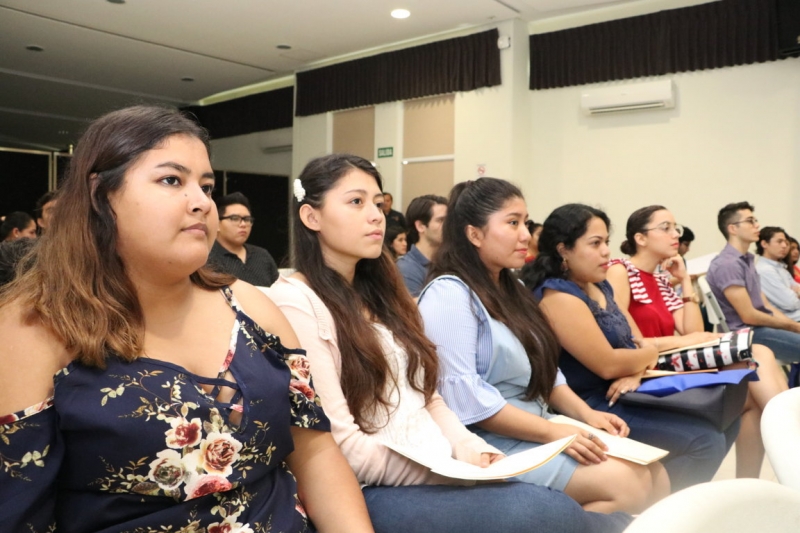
(459, 327)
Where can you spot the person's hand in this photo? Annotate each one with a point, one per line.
(608, 422)
(622, 386)
(675, 266)
(587, 449)
(698, 337)
(474, 451)
(487, 459)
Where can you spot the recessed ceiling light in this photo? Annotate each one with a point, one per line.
(63, 132)
(34, 48)
(116, 1)
(187, 78)
(401, 13)
(283, 47)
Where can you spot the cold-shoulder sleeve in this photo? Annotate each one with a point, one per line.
(30, 458)
(453, 323)
(372, 462)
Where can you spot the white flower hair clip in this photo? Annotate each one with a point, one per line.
(299, 191)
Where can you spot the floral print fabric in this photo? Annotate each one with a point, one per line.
(141, 447)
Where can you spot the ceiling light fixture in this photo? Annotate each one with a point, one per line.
(187, 78)
(283, 47)
(401, 13)
(116, 1)
(34, 48)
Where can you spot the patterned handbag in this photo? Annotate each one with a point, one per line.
(731, 348)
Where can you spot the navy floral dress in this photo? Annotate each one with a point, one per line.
(141, 448)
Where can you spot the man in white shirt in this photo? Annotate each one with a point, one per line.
(779, 287)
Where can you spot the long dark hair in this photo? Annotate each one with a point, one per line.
(392, 232)
(18, 220)
(788, 259)
(637, 223)
(471, 204)
(95, 309)
(378, 289)
(566, 224)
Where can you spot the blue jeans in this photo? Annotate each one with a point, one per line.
(696, 448)
(785, 344)
(510, 507)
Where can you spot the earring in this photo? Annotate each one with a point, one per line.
(564, 266)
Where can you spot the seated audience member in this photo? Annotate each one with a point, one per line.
(734, 281)
(44, 210)
(231, 253)
(498, 355)
(780, 288)
(395, 241)
(149, 399)
(17, 225)
(655, 311)
(792, 257)
(535, 229)
(393, 218)
(598, 352)
(685, 240)
(11, 253)
(376, 372)
(425, 215)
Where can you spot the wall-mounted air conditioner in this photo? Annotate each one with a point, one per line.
(648, 95)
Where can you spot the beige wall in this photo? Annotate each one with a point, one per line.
(429, 126)
(354, 132)
(433, 177)
(734, 135)
(263, 152)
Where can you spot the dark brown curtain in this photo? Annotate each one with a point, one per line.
(714, 35)
(258, 112)
(460, 64)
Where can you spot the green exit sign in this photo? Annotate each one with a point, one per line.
(386, 152)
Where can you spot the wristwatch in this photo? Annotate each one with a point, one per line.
(691, 298)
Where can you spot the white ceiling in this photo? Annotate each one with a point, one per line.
(100, 56)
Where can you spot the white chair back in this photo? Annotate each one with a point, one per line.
(713, 309)
(732, 506)
(780, 431)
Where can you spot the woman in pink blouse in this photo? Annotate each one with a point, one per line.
(375, 371)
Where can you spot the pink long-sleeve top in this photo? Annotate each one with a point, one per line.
(411, 422)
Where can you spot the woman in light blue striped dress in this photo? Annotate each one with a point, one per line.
(498, 369)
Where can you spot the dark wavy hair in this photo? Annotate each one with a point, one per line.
(471, 204)
(18, 220)
(377, 290)
(566, 224)
(234, 198)
(95, 309)
(766, 234)
(637, 223)
(730, 214)
(392, 232)
(421, 208)
(788, 259)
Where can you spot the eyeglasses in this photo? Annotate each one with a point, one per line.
(750, 220)
(238, 219)
(666, 227)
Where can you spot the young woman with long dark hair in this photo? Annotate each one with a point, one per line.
(149, 400)
(655, 312)
(498, 354)
(376, 371)
(599, 354)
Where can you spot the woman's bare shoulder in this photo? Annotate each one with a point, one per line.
(30, 355)
(264, 312)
